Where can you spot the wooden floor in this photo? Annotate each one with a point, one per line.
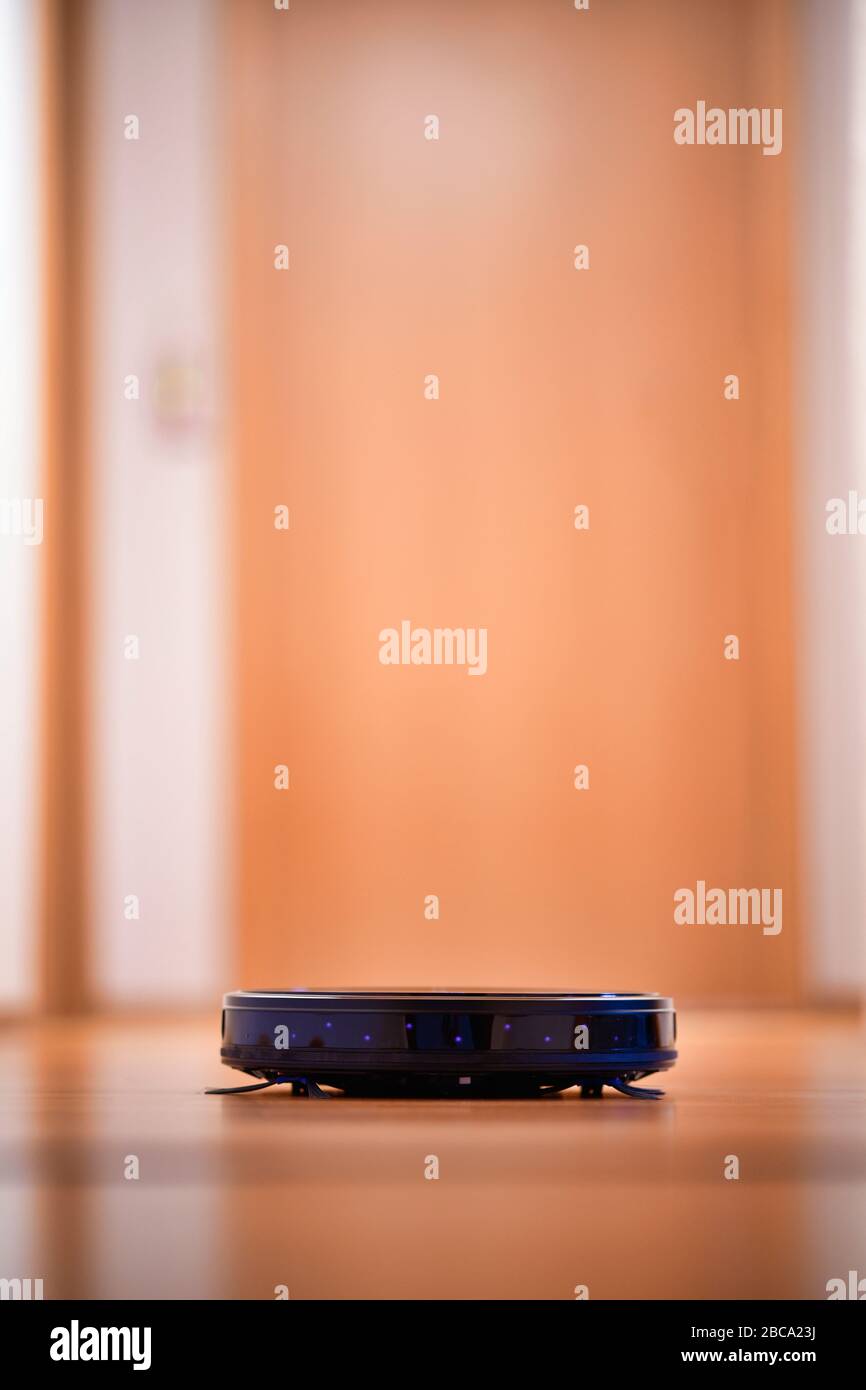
(239, 1195)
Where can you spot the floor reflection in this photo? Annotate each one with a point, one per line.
(238, 1196)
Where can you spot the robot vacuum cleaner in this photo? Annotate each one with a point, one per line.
(447, 1043)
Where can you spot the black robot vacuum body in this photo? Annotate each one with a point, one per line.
(415, 1042)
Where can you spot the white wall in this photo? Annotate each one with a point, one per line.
(832, 569)
(19, 478)
(159, 733)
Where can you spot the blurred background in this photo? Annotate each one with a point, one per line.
(165, 388)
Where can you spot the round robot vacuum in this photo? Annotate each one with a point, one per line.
(447, 1043)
